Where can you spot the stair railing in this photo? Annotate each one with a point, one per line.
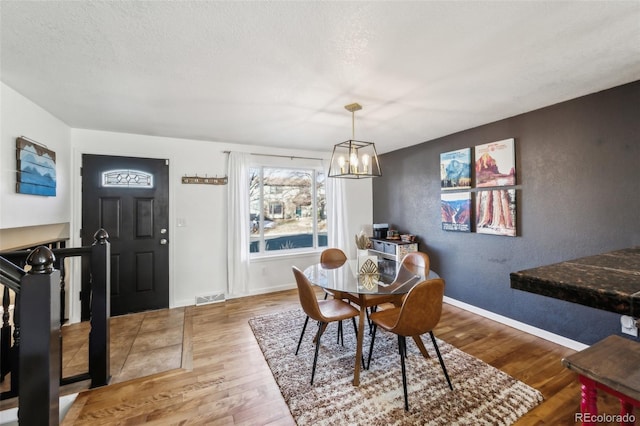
(35, 358)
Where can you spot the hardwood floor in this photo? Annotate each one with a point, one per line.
(226, 380)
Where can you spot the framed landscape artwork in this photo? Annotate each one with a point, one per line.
(455, 209)
(455, 169)
(36, 167)
(496, 212)
(495, 164)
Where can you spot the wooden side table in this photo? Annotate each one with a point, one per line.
(613, 366)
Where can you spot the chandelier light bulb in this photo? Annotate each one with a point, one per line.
(353, 161)
(365, 163)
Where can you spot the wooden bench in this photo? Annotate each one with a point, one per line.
(613, 366)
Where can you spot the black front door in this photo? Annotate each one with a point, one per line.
(129, 198)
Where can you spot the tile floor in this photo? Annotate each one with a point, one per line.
(141, 344)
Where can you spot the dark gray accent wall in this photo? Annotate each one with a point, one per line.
(578, 176)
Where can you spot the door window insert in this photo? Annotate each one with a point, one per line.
(124, 178)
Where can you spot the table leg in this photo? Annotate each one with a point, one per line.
(420, 345)
(356, 368)
(626, 412)
(588, 404)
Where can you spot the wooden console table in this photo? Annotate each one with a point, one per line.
(613, 366)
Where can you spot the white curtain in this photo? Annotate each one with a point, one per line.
(337, 213)
(238, 224)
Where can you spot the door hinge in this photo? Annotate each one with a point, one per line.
(166, 162)
(80, 233)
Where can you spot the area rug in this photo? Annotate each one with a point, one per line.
(482, 394)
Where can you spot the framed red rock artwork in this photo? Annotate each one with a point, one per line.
(496, 212)
(495, 164)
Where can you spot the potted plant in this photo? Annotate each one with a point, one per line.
(363, 244)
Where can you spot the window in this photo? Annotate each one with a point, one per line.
(127, 179)
(287, 209)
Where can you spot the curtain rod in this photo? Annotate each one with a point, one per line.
(281, 156)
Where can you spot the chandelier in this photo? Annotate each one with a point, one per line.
(354, 159)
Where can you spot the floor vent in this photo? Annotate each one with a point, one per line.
(210, 298)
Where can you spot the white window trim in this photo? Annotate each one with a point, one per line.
(262, 254)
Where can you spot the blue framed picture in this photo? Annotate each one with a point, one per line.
(455, 169)
(36, 169)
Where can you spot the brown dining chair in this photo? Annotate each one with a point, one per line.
(417, 258)
(332, 258)
(420, 313)
(412, 261)
(322, 311)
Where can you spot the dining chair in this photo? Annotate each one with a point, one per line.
(411, 261)
(420, 313)
(332, 258)
(322, 311)
(417, 258)
(333, 255)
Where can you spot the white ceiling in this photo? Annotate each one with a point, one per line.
(279, 73)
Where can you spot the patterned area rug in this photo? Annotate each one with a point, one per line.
(482, 394)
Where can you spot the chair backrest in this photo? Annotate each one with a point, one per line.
(417, 258)
(332, 257)
(421, 309)
(308, 298)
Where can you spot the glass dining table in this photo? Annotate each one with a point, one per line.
(391, 281)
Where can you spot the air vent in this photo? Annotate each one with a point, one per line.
(209, 298)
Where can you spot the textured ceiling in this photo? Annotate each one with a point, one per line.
(279, 73)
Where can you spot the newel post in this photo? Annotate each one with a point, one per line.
(39, 362)
(99, 363)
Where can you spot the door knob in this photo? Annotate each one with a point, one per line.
(163, 241)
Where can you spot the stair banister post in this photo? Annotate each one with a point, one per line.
(99, 364)
(39, 358)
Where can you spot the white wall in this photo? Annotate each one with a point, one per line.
(21, 117)
(198, 252)
(198, 249)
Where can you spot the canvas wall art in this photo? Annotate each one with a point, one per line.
(455, 169)
(36, 167)
(496, 212)
(495, 164)
(455, 210)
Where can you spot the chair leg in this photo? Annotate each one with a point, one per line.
(304, 327)
(315, 357)
(373, 339)
(402, 344)
(340, 334)
(355, 327)
(373, 308)
(444, 369)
